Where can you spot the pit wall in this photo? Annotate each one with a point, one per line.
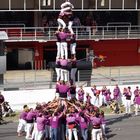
(30, 97)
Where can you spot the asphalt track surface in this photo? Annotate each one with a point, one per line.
(119, 127)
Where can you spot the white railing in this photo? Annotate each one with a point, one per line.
(42, 34)
(80, 5)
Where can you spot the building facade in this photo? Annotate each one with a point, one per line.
(108, 27)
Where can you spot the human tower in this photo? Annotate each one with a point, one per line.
(65, 20)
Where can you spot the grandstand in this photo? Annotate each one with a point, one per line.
(108, 27)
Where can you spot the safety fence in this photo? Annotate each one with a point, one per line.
(44, 79)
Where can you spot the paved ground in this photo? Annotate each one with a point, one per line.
(119, 127)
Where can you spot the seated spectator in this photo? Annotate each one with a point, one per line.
(76, 21)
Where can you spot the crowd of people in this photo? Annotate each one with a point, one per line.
(73, 113)
(60, 119)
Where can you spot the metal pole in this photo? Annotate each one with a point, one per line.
(82, 4)
(119, 76)
(50, 86)
(44, 64)
(136, 6)
(24, 4)
(110, 4)
(53, 4)
(123, 4)
(9, 4)
(128, 31)
(116, 32)
(103, 33)
(110, 75)
(34, 78)
(39, 4)
(24, 80)
(78, 78)
(96, 4)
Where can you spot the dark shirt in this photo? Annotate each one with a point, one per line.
(1, 99)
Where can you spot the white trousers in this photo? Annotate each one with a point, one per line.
(61, 23)
(128, 106)
(64, 75)
(70, 23)
(73, 74)
(58, 73)
(21, 126)
(74, 131)
(96, 101)
(73, 48)
(64, 50)
(58, 49)
(28, 132)
(96, 134)
(39, 135)
(34, 131)
(103, 129)
(137, 107)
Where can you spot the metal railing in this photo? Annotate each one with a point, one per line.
(79, 5)
(43, 79)
(44, 34)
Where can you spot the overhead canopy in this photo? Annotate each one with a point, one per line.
(3, 35)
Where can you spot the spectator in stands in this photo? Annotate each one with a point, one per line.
(45, 23)
(76, 21)
(88, 20)
(94, 27)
